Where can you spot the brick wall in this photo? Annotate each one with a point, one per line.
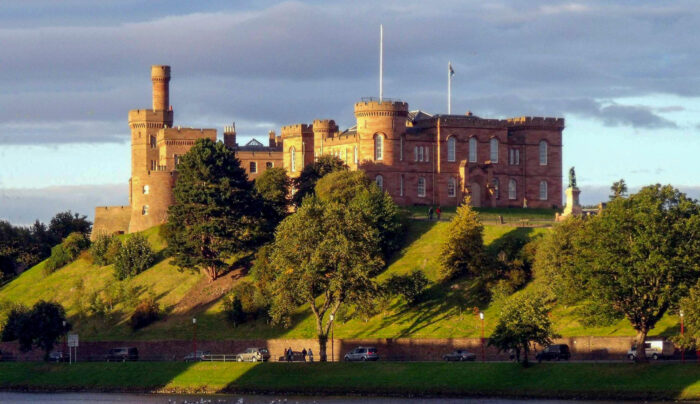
(111, 220)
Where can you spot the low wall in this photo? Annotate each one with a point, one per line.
(110, 220)
(582, 348)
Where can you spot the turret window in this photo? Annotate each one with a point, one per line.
(292, 159)
(543, 153)
(543, 190)
(451, 145)
(153, 142)
(378, 147)
(146, 189)
(401, 148)
(144, 210)
(494, 150)
(472, 150)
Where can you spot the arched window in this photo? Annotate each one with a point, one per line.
(401, 140)
(380, 181)
(472, 150)
(451, 145)
(421, 186)
(427, 153)
(355, 156)
(401, 185)
(146, 189)
(378, 147)
(512, 190)
(543, 190)
(494, 150)
(144, 210)
(543, 153)
(415, 153)
(451, 187)
(496, 188)
(292, 159)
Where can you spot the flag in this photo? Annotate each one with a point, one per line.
(452, 71)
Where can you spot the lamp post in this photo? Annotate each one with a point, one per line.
(194, 338)
(680, 312)
(332, 317)
(65, 340)
(483, 351)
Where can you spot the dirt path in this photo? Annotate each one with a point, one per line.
(206, 292)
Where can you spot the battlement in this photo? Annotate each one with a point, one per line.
(373, 107)
(557, 123)
(297, 130)
(324, 125)
(150, 118)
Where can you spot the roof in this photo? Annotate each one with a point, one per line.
(418, 115)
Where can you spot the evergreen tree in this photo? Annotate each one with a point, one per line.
(618, 189)
(463, 250)
(273, 186)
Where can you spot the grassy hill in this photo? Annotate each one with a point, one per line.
(182, 295)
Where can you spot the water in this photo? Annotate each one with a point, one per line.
(109, 398)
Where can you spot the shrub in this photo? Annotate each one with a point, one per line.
(233, 308)
(66, 252)
(146, 313)
(409, 286)
(134, 257)
(99, 250)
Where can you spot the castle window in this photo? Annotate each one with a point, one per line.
(380, 181)
(427, 153)
(494, 150)
(514, 157)
(177, 158)
(269, 165)
(378, 147)
(146, 189)
(153, 142)
(144, 210)
(153, 165)
(355, 156)
(512, 190)
(253, 167)
(415, 153)
(451, 145)
(543, 153)
(451, 187)
(496, 188)
(292, 159)
(421, 186)
(401, 148)
(543, 190)
(401, 185)
(472, 150)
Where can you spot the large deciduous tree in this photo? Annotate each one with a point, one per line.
(216, 214)
(640, 256)
(305, 183)
(39, 327)
(324, 255)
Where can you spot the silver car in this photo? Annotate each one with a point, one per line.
(253, 355)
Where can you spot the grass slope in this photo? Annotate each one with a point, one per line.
(565, 380)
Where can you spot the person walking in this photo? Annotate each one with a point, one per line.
(303, 354)
(430, 214)
(437, 213)
(290, 354)
(311, 355)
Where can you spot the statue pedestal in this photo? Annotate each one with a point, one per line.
(572, 205)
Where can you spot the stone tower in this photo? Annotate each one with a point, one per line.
(380, 124)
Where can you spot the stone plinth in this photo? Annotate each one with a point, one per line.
(573, 207)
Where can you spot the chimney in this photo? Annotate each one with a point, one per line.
(272, 139)
(160, 77)
(230, 136)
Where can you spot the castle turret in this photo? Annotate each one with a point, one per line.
(160, 77)
(230, 136)
(298, 141)
(323, 129)
(380, 126)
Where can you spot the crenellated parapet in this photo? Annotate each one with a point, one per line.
(536, 122)
(298, 129)
(375, 108)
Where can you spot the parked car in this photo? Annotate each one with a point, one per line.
(196, 356)
(459, 355)
(362, 354)
(654, 350)
(555, 352)
(58, 356)
(122, 354)
(253, 355)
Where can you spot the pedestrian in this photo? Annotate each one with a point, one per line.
(290, 354)
(438, 212)
(303, 354)
(311, 355)
(430, 214)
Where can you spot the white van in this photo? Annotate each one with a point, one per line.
(654, 350)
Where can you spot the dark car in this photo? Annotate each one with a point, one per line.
(58, 356)
(459, 355)
(122, 354)
(197, 356)
(554, 352)
(362, 354)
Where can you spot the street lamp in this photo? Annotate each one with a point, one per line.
(65, 339)
(680, 312)
(194, 338)
(483, 351)
(332, 317)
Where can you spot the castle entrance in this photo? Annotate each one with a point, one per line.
(475, 190)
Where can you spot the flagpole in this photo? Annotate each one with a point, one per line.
(449, 88)
(381, 62)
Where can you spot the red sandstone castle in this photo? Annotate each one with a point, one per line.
(418, 158)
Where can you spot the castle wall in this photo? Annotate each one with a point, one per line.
(262, 159)
(111, 220)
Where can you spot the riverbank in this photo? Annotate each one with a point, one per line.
(658, 381)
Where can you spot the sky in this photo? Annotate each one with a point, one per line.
(623, 74)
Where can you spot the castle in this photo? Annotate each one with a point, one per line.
(416, 157)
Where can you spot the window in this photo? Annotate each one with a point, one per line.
(380, 181)
(355, 157)
(401, 149)
(146, 189)
(292, 159)
(427, 153)
(415, 153)
(512, 191)
(494, 150)
(543, 190)
(144, 210)
(269, 165)
(177, 158)
(514, 157)
(401, 185)
(451, 144)
(253, 167)
(153, 142)
(472, 150)
(496, 188)
(421, 186)
(420, 150)
(543, 153)
(378, 147)
(451, 187)
(153, 165)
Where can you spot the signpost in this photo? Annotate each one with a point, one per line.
(72, 343)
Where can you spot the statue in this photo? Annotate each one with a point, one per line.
(572, 178)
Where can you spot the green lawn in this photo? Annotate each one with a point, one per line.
(555, 380)
(487, 215)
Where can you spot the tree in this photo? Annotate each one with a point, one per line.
(40, 327)
(66, 252)
(306, 181)
(523, 321)
(618, 189)
(273, 186)
(134, 257)
(65, 223)
(640, 256)
(463, 250)
(324, 255)
(690, 305)
(216, 214)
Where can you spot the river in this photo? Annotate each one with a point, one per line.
(117, 398)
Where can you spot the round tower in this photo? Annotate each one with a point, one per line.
(386, 119)
(160, 76)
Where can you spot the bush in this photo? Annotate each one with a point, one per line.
(100, 250)
(244, 302)
(233, 308)
(134, 257)
(66, 252)
(409, 286)
(146, 313)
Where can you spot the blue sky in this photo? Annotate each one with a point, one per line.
(623, 74)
